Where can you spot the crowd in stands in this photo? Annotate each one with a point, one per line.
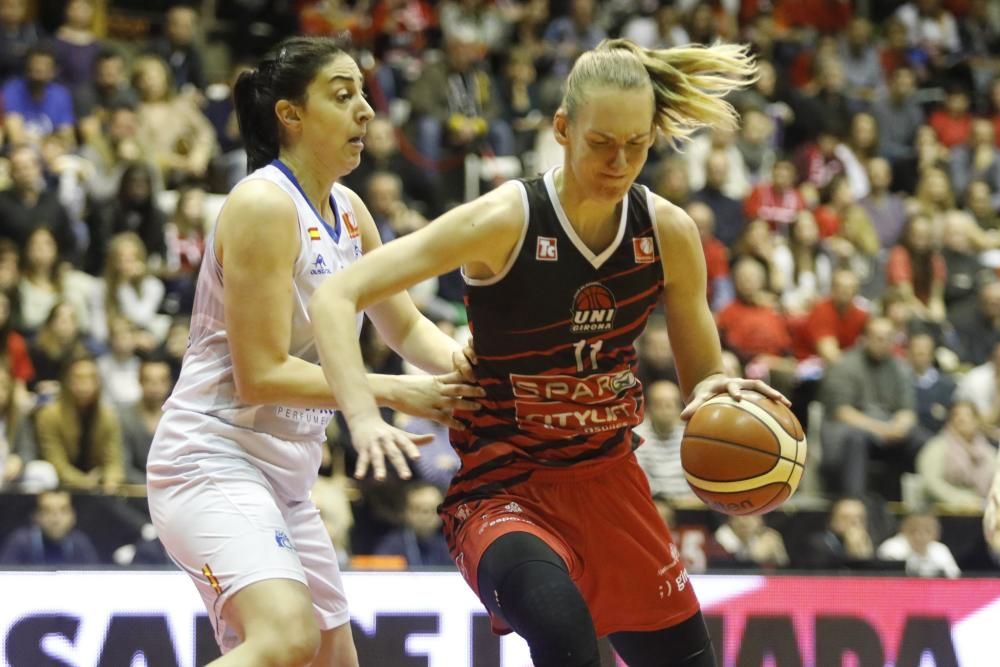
(851, 230)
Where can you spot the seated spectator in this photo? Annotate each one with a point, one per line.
(382, 154)
(858, 54)
(10, 272)
(483, 19)
(746, 541)
(760, 244)
(776, 200)
(720, 286)
(573, 34)
(58, 341)
(956, 465)
(670, 181)
(843, 222)
(17, 36)
(846, 542)
(977, 325)
(52, 538)
(930, 26)
(139, 420)
(728, 211)
(953, 122)
(756, 145)
(131, 291)
(804, 265)
(918, 270)
(869, 408)
(134, 210)
(978, 160)
(979, 203)
(935, 388)
(886, 209)
(119, 366)
(184, 237)
(917, 545)
(660, 454)
(80, 434)
(179, 138)
(748, 326)
(980, 386)
(35, 106)
(28, 205)
(456, 107)
(834, 324)
(899, 115)
(419, 540)
(19, 467)
(934, 196)
(110, 152)
(964, 271)
(14, 349)
(178, 47)
(104, 91)
(75, 45)
(731, 177)
(175, 345)
(656, 357)
(46, 281)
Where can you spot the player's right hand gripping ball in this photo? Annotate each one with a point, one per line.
(743, 457)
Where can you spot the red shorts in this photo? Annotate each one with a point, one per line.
(604, 525)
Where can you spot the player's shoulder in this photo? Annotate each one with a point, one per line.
(672, 221)
(503, 207)
(259, 198)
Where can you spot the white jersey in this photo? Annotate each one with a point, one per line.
(206, 382)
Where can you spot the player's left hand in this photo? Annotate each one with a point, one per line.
(718, 384)
(464, 360)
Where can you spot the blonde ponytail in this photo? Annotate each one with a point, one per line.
(689, 82)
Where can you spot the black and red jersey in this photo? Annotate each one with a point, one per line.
(554, 333)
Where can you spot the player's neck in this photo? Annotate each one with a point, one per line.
(315, 180)
(588, 216)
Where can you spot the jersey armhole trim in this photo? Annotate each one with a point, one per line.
(514, 254)
(651, 207)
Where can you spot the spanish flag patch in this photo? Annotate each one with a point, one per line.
(314, 234)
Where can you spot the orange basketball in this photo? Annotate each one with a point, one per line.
(743, 457)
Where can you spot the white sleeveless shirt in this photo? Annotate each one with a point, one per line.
(206, 382)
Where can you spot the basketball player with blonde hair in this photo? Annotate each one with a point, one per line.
(550, 518)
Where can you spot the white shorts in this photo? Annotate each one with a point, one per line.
(223, 520)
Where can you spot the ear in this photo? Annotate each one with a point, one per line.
(560, 127)
(288, 114)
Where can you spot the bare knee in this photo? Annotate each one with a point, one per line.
(288, 642)
(276, 622)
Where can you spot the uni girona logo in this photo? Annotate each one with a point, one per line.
(593, 309)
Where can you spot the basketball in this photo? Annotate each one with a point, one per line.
(593, 297)
(743, 457)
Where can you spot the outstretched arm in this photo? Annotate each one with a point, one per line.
(479, 234)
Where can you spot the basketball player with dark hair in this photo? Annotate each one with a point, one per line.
(239, 444)
(550, 518)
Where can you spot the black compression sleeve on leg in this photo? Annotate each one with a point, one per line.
(527, 584)
(686, 644)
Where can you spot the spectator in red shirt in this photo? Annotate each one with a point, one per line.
(720, 287)
(13, 346)
(917, 269)
(826, 16)
(953, 123)
(778, 202)
(834, 324)
(755, 331)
